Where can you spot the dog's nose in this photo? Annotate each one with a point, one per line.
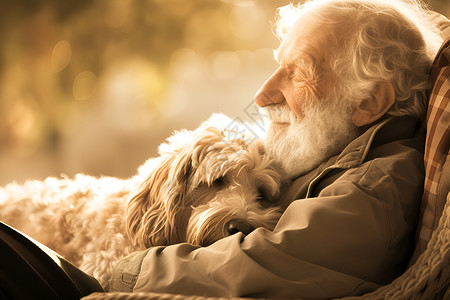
(234, 226)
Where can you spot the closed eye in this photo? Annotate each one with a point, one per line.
(264, 198)
(219, 182)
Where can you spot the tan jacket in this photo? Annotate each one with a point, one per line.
(348, 227)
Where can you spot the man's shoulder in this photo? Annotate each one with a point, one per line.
(387, 147)
(386, 138)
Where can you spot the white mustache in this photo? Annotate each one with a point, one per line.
(280, 113)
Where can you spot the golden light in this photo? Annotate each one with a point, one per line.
(224, 64)
(117, 13)
(202, 30)
(131, 91)
(245, 21)
(185, 63)
(61, 55)
(22, 118)
(84, 85)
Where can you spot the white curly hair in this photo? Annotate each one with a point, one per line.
(388, 40)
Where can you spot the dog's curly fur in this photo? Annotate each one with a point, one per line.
(205, 185)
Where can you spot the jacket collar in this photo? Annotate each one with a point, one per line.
(356, 152)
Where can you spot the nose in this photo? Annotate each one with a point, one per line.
(235, 225)
(271, 90)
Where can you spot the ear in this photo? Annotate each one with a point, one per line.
(146, 217)
(370, 110)
(154, 213)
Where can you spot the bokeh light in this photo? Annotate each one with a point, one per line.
(61, 55)
(224, 65)
(84, 85)
(245, 21)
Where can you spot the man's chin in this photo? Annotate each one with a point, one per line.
(297, 152)
(290, 155)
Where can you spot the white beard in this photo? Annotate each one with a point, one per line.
(300, 145)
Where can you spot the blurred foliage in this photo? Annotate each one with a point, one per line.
(83, 82)
(74, 72)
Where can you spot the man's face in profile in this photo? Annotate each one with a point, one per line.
(309, 112)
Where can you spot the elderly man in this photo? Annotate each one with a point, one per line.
(345, 106)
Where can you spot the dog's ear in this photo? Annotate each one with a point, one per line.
(264, 172)
(155, 211)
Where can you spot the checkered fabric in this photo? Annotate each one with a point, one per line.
(436, 158)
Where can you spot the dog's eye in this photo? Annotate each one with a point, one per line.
(219, 182)
(264, 198)
(262, 194)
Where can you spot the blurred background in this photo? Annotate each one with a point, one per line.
(95, 86)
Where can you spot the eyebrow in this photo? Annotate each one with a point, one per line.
(298, 62)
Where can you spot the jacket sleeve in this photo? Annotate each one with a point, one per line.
(345, 241)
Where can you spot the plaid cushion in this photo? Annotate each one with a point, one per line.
(436, 158)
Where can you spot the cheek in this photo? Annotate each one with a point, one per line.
(327, 82)
(292, 97)
(301, 98)
(297, 109)
(297, 102)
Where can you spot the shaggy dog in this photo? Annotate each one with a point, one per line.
(205, 185)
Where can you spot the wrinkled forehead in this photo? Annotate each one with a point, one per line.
(310, 40)
(314, 32)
